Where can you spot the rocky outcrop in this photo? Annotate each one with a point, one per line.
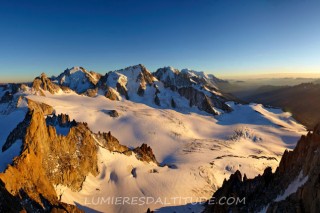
(107, 141)
(44, 108)
(43, 83)
(141, 90)
(48, 159)
(65, 89)
(122, 90)
(145, 78)
(92, 92)
(62, 120)
(298, 169)
(112, 113)
(157, 100)
(145, 153)
(111, 94)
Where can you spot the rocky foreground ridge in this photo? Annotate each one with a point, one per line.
(50, 157)
(293, 187)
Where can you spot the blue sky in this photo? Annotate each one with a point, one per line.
(220, 36)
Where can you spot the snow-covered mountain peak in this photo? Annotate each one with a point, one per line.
(166, 74)
(186, 77)
(75, 69)
(138, 73)
(194, 73)
(78, 79)
(116, 77)
(130, 81)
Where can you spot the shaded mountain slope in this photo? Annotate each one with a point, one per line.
(303, 101)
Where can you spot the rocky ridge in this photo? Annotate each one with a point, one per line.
(48, 159)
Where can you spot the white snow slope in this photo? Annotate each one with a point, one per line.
(202, 150)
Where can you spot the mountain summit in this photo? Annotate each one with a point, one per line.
(78, 79)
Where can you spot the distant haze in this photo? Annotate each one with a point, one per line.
(269, 76)
(7, 78)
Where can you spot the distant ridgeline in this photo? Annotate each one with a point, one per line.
(166, 88)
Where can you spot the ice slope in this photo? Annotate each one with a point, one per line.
(202, 150)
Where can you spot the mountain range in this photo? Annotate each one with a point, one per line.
(71, 139)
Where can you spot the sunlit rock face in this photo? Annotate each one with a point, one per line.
(55, 151)
(48, 159)
(43, 83)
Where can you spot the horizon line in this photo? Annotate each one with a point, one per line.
(235, 76)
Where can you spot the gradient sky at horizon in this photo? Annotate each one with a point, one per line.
(222, 37)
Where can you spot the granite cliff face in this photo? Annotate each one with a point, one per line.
(48, 159)
(294, 187)
(55, 151)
